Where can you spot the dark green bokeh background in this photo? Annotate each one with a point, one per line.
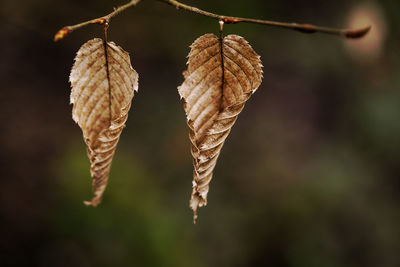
(309, 175)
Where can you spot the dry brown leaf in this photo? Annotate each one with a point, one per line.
(103, 83)
(221, 76)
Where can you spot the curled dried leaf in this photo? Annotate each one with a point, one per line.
(220, 78)
(103, 84)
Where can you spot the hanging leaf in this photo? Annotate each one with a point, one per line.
(103, 83)
(221, 76)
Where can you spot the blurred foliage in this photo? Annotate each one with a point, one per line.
(308, 177)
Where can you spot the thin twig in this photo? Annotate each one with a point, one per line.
(102, 20)
(305, 28)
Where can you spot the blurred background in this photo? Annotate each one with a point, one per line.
(309, 175)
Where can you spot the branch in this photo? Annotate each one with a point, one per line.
(305, 28)
(102, 20)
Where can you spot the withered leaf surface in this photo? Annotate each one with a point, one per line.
(220, 78)
(103, 83)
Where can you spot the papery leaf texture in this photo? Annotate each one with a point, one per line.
(221, 76)
(103, 84)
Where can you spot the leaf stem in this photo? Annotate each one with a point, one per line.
(102, 20)
(304, 28)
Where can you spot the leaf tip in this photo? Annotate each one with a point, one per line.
(196, 201)
(96, 198)
(194, 206)
(194, 216)
(94, 202)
